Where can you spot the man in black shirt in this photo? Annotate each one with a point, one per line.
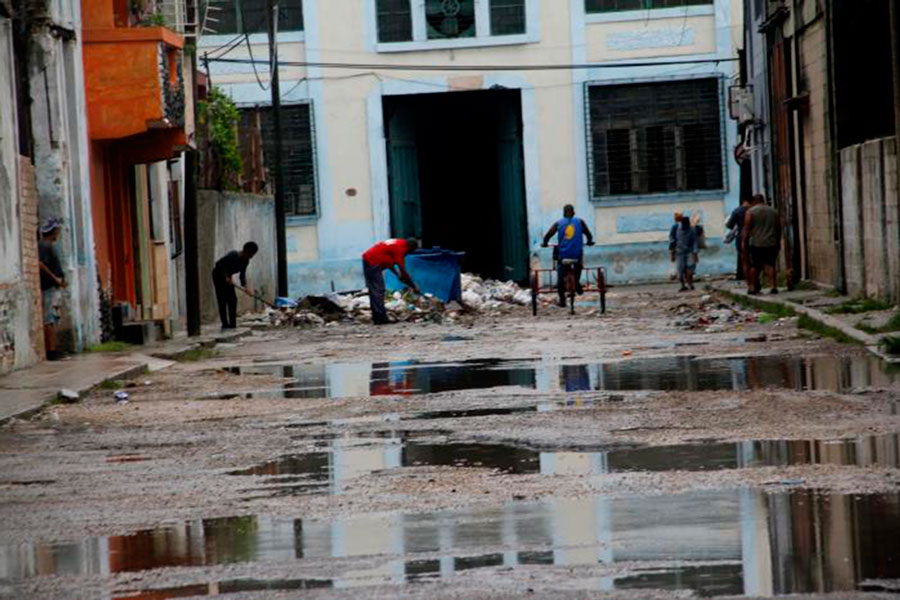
(228, 265)
(53, 280)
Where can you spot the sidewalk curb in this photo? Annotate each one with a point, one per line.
(123, 373)
(203, 342)
(869, 341)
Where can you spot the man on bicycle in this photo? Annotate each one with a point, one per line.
(570, 245)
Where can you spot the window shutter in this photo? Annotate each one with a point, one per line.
(507, 17)
(394, 21)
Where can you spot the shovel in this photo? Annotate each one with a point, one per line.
(256, 297)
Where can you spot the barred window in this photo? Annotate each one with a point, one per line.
(394, 21)
(448, 19)
(249, 16)
(655, 138)
(297, 155)
(507, 17)
(599, 6)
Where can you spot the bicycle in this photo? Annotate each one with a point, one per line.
(569, 283)
(544, 281)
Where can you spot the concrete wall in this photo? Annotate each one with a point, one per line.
(823, 254)
(870, 219)
(228, 220)
(324, 250)
(59, 130)
(21, 340)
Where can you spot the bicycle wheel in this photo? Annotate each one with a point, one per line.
(570, 288)
(535, 287)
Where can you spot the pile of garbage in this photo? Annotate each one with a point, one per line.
(478, 296)
(712, 315)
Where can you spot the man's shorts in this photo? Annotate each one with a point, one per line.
(763, 256)
(685, 262)
(52, 299)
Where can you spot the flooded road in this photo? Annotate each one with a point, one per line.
(682, 373)
(558, 457)
(716, 543)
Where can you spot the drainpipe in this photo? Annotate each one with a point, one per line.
(834, 157)
(799, 170)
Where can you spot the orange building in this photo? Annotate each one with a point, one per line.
(136, 105)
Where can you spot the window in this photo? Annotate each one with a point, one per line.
(249, 16)
(394, 21)
(599, 6)
(297, 155)
(507, 17)
(450, 18)
(655, 138)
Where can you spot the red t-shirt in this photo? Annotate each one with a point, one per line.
(386, 254)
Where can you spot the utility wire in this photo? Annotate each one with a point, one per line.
(526, 67)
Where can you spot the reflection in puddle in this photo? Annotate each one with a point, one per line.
(668, 373)
(328, 471)
(734, 542)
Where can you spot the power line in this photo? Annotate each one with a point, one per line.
(526, 67)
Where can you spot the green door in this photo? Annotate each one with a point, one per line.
(403, 176)
(512, 194)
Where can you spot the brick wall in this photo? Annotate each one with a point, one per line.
(822, 253)
(28, 213)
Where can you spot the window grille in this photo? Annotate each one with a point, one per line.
(655, 138)
(599, 6)
(448, 19)
(507, 17)
(297, 154)
(394, 21)
(249, 16)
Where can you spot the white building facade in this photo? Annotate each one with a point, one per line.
(470, 123)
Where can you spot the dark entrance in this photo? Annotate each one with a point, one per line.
(457, 177)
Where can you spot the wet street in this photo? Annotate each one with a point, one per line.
(625, 455)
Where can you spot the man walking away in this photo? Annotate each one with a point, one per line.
(53, 281)
(228, 265)
(762, 242)
(683, 249)
(570, 245)
(735, 223)
(386, 255)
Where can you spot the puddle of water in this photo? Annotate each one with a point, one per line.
(665, 373)
(344, 459)
(714, 543)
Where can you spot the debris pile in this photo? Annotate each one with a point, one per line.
(712, 316)
(478, 295)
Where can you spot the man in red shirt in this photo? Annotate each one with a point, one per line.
(381, 256)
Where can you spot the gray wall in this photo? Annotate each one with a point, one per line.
(226, 221)
(871, 216)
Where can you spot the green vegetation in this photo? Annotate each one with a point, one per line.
(110, 384)
(110, 346)
(859, 305)
(811, 324)
(835, 293)
(196, 354)
(775, 309)
(219, 119)
(893, 324)
(766, 318)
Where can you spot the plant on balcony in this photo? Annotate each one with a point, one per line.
(219, 119)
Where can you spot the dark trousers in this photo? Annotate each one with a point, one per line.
(375, 283)
(226, 299)
(739, 271)
(561, 281)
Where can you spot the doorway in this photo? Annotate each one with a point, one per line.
(456, 177)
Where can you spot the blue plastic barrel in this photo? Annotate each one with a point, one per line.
(436, 271)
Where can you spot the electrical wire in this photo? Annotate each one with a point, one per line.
(467, 68)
